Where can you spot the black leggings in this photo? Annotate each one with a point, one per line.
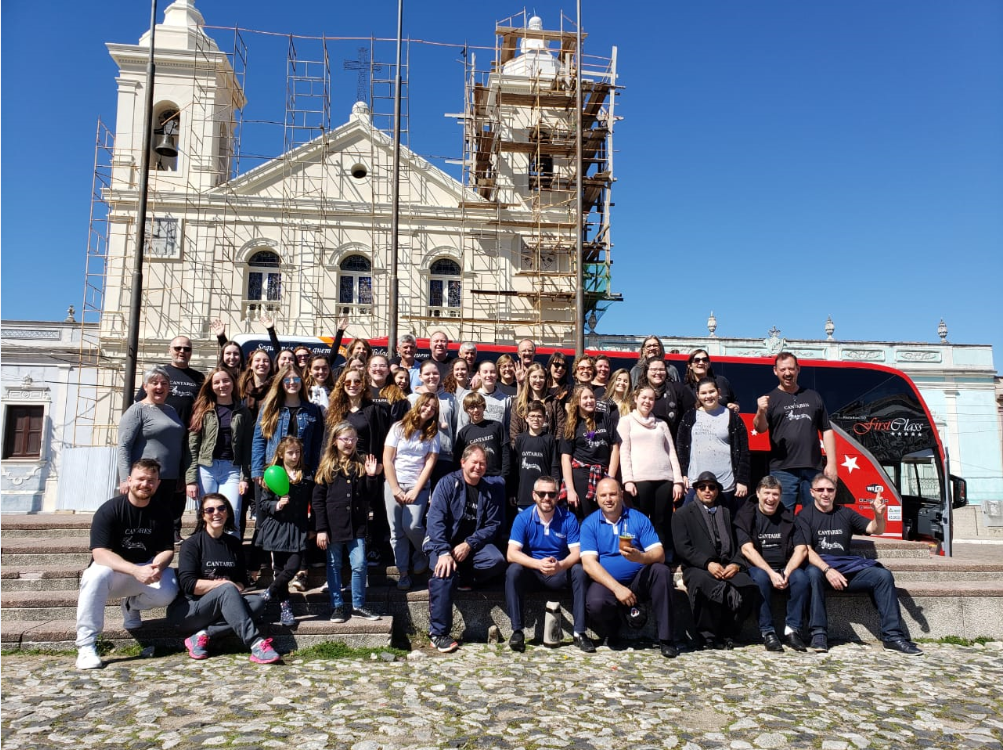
(287, 564)
(654, 499)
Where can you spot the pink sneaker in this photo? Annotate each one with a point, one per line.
(198, 645)
(263, 653)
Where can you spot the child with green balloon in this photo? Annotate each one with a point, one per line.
(282, 520)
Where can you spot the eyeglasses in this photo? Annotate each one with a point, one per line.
(353, 382)
(214, 510)
(534, 415)
(705, 487)
(545, 493)
(700, 360)
(292, 381)
(348, 439)
(823, 490)
(181, 348)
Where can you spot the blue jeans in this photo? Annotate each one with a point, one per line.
(407, 527)
(480, 566)
(795, 486)
(357, 559)
(223, 477)
(797, 591)
(876, 581)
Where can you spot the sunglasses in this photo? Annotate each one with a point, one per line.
(823, 490)
(704, 487)
(545, 493)
(292, 381)
(559, 366)
(213, 510)
(181, 348)
(700, 360)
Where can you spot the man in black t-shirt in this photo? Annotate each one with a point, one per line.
(827, 529)
(131, 546)
(464, 515)
(185, 385)
(794, 417)
(765, 533)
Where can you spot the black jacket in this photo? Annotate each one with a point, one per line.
(694, 547)
(284, 530)
(738, 439)
(341, 508)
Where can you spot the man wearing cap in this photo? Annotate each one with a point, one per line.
(625, 560)
(721, 593)
(826, 530)
(543, 552)
(765, 532)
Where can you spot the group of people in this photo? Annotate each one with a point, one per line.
(591, 473)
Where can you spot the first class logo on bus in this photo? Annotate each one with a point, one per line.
(898, 426)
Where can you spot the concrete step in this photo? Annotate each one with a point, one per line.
(60, 525)
(61, 634)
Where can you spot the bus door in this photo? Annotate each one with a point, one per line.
(861, 476)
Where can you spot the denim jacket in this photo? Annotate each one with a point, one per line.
(310, 430)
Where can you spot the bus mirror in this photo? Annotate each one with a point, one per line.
(959, 492)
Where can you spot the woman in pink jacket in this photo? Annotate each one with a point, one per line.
(652, 481)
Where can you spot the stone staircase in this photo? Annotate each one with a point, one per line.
(42, 557)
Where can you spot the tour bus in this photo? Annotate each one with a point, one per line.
(886, 439)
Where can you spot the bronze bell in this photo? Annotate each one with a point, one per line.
(166, 144)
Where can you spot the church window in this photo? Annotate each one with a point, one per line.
(444, 289)
(264, 282)
(355, 283)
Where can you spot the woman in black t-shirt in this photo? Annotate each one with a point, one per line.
(698, 367)
(590, 450)
(212, 580)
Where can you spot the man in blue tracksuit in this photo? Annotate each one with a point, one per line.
(464, 515)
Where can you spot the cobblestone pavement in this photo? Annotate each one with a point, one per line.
(484, 696)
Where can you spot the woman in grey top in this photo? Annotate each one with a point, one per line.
(152, 429)
(714, 438)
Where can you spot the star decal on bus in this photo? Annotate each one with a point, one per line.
(849, 463)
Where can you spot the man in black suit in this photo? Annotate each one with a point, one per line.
(721, 593)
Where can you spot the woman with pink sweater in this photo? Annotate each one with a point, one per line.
(651, 476)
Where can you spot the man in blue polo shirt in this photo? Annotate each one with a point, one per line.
(543, 553)
(625, 560)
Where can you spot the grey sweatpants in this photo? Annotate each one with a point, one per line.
(222, 610)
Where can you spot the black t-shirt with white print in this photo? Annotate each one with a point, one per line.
(592, 446)
(136, 534)
(203, 557)
(795, 421)
(828, 533)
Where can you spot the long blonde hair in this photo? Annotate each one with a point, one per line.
(334, 462)
(571, 423)
(411, 423)
(275, 400)
(525, 396)
(625, 404)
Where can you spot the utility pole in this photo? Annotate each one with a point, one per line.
(392, 308)
(135, 304)
(579, 180)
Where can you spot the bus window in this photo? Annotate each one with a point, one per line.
(920, 479)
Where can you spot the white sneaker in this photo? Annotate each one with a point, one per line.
(131, 619)
(87, 658)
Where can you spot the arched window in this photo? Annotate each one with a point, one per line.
(264, 282)
(355, 283)
(444, 291)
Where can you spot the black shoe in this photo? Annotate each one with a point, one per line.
(177, 537)
(668, 649)
(712, 644)
(616, 643)
(585, 643)
(444, 644)
(819, 643)
(772, 643)
(518, 641)
(729, 643)
(903, 647)
(794, 641)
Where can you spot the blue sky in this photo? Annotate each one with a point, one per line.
(778, 161)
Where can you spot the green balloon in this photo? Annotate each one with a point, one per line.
(277, 480)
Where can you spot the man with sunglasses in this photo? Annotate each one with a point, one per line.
(185, 385)
(131, 551)
(720, 591)
(543, 552)
(827, 529)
